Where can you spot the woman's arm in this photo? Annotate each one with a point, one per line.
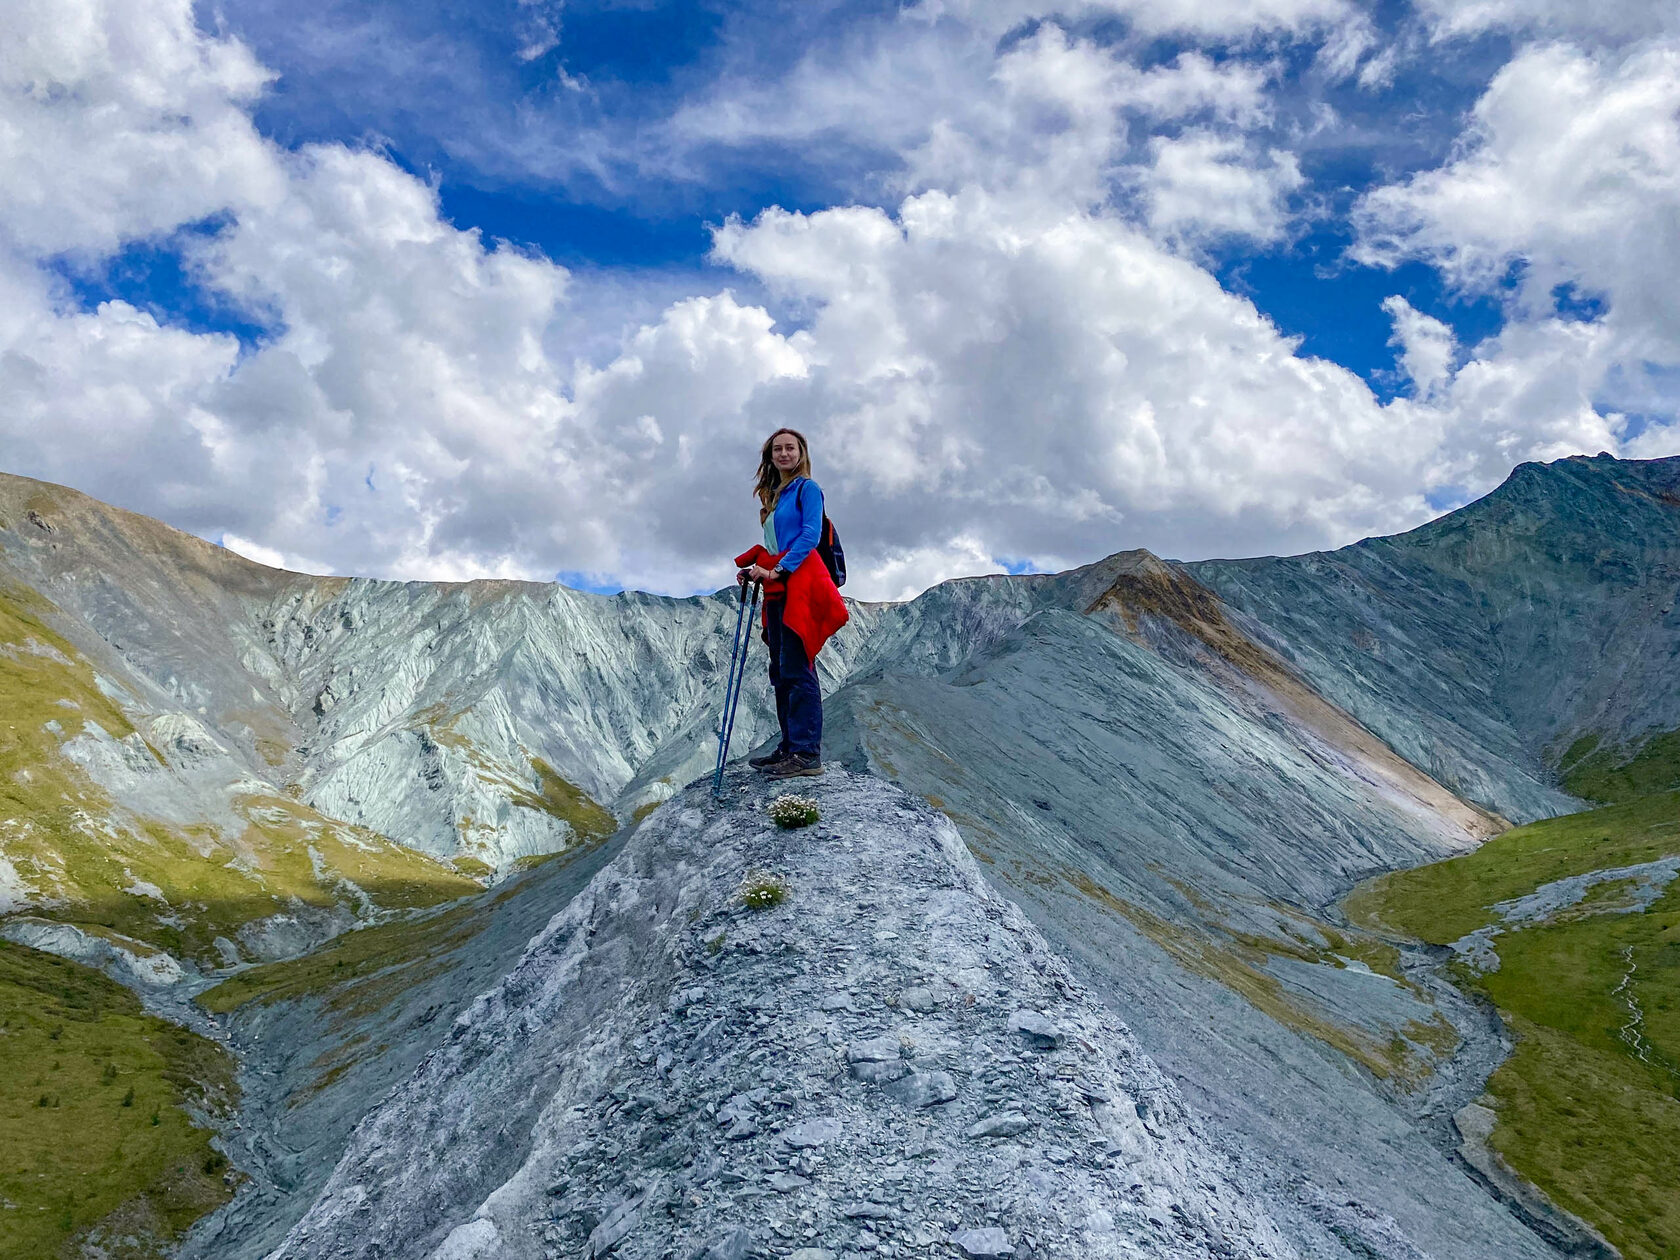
(808, 498)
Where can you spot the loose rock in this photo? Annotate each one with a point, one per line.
(867, 1211)
(1005, 1124)
(736, 1244)
(983, 1244)
(650, 1136)
(917, 999)
(922, 1089)
(1037, 1031)
(811, 1133)
(883, 1049)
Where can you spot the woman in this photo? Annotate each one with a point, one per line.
(802, 606)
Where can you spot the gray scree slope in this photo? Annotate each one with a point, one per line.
(297, 1114)
(1161, 830)
(1480, 645)
(890, 1060)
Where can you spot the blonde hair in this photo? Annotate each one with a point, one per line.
(770, 479)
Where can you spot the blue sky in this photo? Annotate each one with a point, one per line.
(442, 90)
(552, 267)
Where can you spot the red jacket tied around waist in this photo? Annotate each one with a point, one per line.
(814, 609)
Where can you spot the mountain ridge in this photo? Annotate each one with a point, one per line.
(1175, 770)
(1528, 589)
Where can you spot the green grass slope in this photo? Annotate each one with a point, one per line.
(1608, 775)
(85, 861)
(96, 1141)
(1588, 1105)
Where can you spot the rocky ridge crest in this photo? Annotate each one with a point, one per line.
(890, 1061)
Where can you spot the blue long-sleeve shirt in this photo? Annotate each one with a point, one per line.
(797, 521)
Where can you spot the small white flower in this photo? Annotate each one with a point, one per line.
(793, 811)
(763, 890)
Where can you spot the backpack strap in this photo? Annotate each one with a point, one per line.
(825, 531)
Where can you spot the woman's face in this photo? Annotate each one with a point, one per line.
(784, 452)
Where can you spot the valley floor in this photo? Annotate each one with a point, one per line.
(1570, 927)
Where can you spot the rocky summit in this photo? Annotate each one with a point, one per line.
(744, 1041)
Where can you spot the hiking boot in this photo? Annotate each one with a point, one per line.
(795, 766)
(769, 759)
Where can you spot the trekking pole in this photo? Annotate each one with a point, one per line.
(737, 675)
(729, 687)
(739, 651)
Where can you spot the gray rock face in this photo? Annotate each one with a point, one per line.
(581, 1107)
(1477, 645)
(140, 966)
(1159, 816)
(465, 689)
(422, 711)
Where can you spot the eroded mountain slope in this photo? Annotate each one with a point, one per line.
(1175, 770)
(1178, 813)
(1484, 645)
(524, 709)
(323, 1037)
(133, 837)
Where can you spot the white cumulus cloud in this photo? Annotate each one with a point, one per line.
(121, 121)
(991, 370)
(1566, 186)
(1016, 354)
(1608, 21)
(1427, 346)
(1202, 186)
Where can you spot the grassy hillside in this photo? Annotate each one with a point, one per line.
(1608, 774)
(1589, 982)
(98, 1140)
(71, 851)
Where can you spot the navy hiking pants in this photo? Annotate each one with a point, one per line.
(794, 678)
